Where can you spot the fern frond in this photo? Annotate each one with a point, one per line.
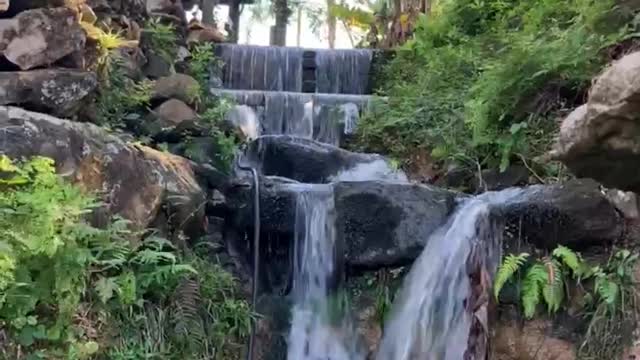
(510, 265)
(532, 284)
(188, 325)
(569, 258)
(553, 290)
(607, 290)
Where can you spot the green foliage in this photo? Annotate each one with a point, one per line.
(72, 291)
(543, 280)
(482, 81)
(202, 61)
(510, 265)
(611, 308)
(163, 39)
(120, 96)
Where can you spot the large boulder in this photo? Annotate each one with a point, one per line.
(384, 224)
(40, 37)
(177, 86)
(59, 91)
(601, 139)
(311, 161)
(143, 185)
(388, 224)
(576, 214)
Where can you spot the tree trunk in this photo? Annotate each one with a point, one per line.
(234, 16)
(299, 27)
(207, 11)
(279, 31)
(331, 23)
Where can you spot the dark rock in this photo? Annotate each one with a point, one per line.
(384, 224)
(576, 214)
(11, 8)
(58, 91)
(40, 37)
(306, 160)
(136, 182)
(494, 179)
(177, 86)
(156, 66)
(202, 150)
(601, 139)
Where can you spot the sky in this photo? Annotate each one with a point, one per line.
(257, 33)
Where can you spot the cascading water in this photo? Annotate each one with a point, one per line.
(343, 71)
(432, 315)
(268, 68)
(323, 117)
(317, 331)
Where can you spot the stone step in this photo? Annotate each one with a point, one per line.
(272, 68)
(329, 118)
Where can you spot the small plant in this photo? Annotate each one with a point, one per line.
(202, 61)
(120, 96)
(611, 308)
(162, 39)
(543, 281)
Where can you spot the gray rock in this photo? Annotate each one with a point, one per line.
(384, 224)
(156, 66)
(601, 139)
(173, 112)
(59, 91)
(177, 86)
(310, 161)
(135, 182)
(40, 37)
(576, 214)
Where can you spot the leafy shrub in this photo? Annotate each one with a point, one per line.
(609, 303)
(162, 39)
(71, 291)
(482, 81)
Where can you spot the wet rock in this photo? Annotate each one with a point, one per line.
(177, 86)
(532, 341)
(494, 179)
(40, 37)
(136, 182)
(576, 214)
(380, 224)
(59, 91)
(384, 224)
(310, 161)
(173, 112)
(601, 139)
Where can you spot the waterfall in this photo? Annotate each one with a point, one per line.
(343, 71)
(432, 315)
(272, 68)
(328, 118)
(318, 328)
(269, 68)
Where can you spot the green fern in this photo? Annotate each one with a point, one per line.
(509, 267)
(569, 258)
(534, 280)
(553, 290)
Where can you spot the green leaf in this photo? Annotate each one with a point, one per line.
(510, 265)
(532, 284)
(106, 288)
